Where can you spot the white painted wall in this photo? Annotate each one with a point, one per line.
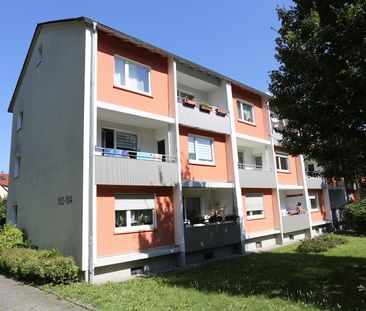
(200, 96)
(50, 142)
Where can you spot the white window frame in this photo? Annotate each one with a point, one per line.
(278, 167)
(259, 155)
(314, 196)
(19, 120)
(127, 86)
(241, 111)
(115, 130)
(251, 216)
(195, 161)
(129, 227)
(186, 92)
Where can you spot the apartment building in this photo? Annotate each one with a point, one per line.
(134, 160)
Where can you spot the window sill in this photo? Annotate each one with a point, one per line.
(201, 163)
(120, 87)
(247, 122)
(255, 217)
(314, 210)
(283, 171)
(133, 230)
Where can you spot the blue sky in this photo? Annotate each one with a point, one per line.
(233, 37)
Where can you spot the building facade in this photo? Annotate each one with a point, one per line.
(132, 159)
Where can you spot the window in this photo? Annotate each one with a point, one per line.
(200, 149)
(282, 162)
(134, 212)
(17, 166)
(246, 111)
(258, 161)
(241, 163)
(131, 75)
(311, 168)
(39, 55)
(118, 140)
(15, 212)
(183, 94)
(254, 205)
(314, 202)
(193, 209)
(19, 120)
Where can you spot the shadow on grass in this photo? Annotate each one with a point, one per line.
(336, 283)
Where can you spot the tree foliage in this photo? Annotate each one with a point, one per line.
(320, 86)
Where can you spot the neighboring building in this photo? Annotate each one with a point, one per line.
(4, 184)
(132, 159)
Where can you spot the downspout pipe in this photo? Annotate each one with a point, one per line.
(91, 235)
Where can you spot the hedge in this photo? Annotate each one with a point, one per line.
(31, 265)
(320, 243)
(10, 237)
(355, 217)
(38, 266)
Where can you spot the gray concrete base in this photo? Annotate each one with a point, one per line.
(121, 272)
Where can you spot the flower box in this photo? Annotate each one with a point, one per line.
(221, 112)
(189, 102)
(205, 107)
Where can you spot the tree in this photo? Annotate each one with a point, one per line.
(320, 86)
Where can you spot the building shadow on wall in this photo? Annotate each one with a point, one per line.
(163, 234)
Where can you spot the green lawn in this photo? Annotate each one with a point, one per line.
(277, 280)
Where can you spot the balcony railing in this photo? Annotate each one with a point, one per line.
(255, 176)
(244, 166)
(139, 155)
(202, 105)
(208, 236)
(295, 220)
(124, 167)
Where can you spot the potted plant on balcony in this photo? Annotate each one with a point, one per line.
(221, 112)
(189, 102)
(206, 107)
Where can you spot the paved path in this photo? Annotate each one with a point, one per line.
(15, 296)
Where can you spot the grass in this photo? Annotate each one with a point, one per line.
(278, 280)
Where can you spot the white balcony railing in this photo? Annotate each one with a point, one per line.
(138, 155)
(244, 166)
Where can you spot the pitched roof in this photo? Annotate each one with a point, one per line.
(131, 39)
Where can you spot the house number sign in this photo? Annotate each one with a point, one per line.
(64, 200)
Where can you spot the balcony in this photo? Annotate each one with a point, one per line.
(252, 176)
(202, 115)
(205, 236)
(122, 167)
(295, 222)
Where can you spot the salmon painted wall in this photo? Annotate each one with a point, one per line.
(157, 103)
(261, 128)
(294, 177)
(217, 172)
(266, 223)
(321, 214)
(111, 243)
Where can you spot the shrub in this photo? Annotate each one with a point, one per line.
(3, 203)
(10, 237)
(320, 243)
(355, 217)
(38, 266)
